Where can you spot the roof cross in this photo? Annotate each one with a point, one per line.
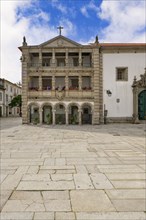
(59, 29)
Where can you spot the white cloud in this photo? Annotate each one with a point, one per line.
(91, 6)
(56, 4)
(68, 27)
(90, 41)
(126, 21)
(84, 11)
(11, 36)
(35, 27)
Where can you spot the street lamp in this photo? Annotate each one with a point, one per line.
(109, 93)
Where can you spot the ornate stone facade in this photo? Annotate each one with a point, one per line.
(139, 86)
(63, 73)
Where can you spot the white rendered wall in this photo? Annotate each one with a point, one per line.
(121, 89)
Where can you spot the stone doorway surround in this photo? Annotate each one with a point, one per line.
(138, 87)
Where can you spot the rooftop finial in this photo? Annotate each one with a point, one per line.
(24, 41)
(96, 39)
(59, 29)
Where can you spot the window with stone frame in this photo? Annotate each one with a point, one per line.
(34, 83)
(60, 58)
(46, 82)
(46, 59)
(0, 96)
(73, 82)
(6, 98)
(121, 73)
(86, 82)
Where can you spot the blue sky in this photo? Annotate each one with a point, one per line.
(81, 16)
(112, 20)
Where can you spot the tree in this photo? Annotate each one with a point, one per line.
(16, 102)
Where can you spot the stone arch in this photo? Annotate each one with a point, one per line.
(87, 103)
(73, 113)
(138, 87)
(142, 105)
(74, 103)
(33, 112)
(60, 103)
(87, 109)
(33, 103)
(46, 104)
(47, 115)
(60, 113)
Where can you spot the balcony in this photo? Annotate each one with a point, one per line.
(59, 65)
(79, 94)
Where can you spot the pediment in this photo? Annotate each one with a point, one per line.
(60, 41)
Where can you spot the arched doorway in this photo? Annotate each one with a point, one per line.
(73, 114)
(47, 114)
(139, 98)
(34, 113)
(142, 105)
(86, 114)
(60, 114)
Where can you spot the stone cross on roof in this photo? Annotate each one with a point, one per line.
(59, 29)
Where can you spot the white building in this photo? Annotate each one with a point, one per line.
(121, 63)
(8, 91)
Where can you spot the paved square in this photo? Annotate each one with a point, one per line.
(72, 172)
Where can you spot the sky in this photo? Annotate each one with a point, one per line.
(112, 20)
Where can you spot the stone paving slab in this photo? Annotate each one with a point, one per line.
(126, 194)
(72, 172)
(90, 201)
(65, 216)
(16, 215)
(58, 205)
(126, 176)
(111, 216)
(134, 205)
(100, 181)
(55, 195)
(83, 181)
(41, 185)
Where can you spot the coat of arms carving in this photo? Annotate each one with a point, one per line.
(60, 94)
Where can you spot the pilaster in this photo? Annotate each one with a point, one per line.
(80, 82)
(135, 105)
(53, 112)
(80, 116)
(80, 57)
(53, 82)
(66, 57)
(53, 57)
(40, 83)
(96, 65)
(24, 86)
(66, 116)
(41, 115)
(40, 57)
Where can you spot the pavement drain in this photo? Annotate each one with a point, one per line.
(10, 136)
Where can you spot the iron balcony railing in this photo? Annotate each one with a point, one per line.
(55, 65)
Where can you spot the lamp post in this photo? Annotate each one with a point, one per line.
(109, 93)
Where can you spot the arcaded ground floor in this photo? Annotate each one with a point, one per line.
(72, 172)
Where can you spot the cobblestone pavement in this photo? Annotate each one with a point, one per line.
(72, 172)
